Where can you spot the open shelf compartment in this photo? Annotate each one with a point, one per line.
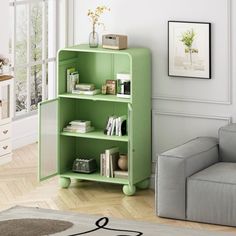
(74, 147)
(96, 68)
(97, 112)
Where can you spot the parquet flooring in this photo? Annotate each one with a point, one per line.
(19, 186)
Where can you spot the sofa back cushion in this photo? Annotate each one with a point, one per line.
(227, 143)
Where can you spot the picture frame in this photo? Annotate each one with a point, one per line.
(189, 49)
(111, 87)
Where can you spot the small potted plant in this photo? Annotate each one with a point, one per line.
(187, 39)
(94, 17)
(4, 61)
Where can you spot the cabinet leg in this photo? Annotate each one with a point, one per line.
(64, 182)
(129, 190)
(143, 184)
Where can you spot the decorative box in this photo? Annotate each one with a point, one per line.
(84, 165)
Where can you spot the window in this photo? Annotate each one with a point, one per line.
(33, 51)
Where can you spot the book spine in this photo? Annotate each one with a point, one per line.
(110, 126)
(122, 125)
(101, 164)
(107, 126)
(117, 126)
(107, 157)
(113, 126)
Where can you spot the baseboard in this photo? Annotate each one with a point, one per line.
(152, 182)
(25, 131)
(24, 140)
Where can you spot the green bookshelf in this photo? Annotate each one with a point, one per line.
(58, 149)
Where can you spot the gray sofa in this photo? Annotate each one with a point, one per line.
(197, 180)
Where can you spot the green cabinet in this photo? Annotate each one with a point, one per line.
(58, 149)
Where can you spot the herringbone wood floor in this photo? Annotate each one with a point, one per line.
(19, 186)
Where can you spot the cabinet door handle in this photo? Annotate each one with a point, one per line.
(5, 131)
(5, 147)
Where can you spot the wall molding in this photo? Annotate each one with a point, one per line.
(25, 140)
(191, 115)
(229, 99)
(227, 119)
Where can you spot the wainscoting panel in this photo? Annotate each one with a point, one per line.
(172, 129)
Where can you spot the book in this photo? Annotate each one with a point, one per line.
(83, 123)
(122, 125)
(109, 126)
(121, 174)
(114, 163)
(68, 80)
(113, 126)
(78, 130)
(85, 87)
(81, 92)
(117, 126)
(102, 164)
(109, 152)
(74, 77)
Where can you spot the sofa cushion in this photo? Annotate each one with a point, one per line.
(173, 168)
(227, 143)
(211, 195)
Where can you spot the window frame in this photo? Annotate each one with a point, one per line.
(45, 60)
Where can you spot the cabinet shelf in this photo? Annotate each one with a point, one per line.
(97, 134)
(94, 177)
(98, 97)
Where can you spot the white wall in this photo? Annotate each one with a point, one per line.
(182, 108)
(4, 27)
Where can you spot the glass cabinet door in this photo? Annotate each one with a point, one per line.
(48, 138)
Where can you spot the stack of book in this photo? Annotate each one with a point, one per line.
(79, 126)
(109, 162)
(116, 126)
(85, 89)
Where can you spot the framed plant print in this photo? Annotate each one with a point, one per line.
(189, 49)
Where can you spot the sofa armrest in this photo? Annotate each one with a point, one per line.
(173, 168)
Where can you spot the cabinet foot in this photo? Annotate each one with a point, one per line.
(129, 190)
(143, 184)
(64, 182)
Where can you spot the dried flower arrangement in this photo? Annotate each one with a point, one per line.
(96, 14)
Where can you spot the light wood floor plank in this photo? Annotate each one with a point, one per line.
(19, 186)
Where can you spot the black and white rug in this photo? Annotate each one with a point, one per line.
(26, 221)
